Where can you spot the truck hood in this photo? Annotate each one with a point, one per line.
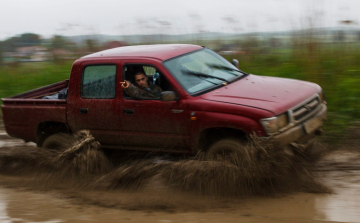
(269, 93)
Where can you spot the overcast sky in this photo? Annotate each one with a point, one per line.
(121, 17)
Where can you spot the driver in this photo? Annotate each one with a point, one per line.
(143, 88)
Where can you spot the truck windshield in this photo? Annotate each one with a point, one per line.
(202, 70)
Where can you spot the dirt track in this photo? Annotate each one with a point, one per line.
(35, 196)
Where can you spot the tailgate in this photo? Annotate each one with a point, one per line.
(23, 113)
(21, 119)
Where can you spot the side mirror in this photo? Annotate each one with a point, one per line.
(156, 76)
(168, 96)
(235, 62)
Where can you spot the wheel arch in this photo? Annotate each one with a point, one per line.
(211, 135)
(48, 128)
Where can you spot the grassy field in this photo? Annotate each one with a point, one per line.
(22, 77)
(335, 68)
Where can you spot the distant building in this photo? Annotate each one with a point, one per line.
(31, 53)
(230, 49)
(9, 57)
(113, 44)
(274, 42)
(60, 53)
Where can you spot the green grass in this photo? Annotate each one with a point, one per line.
(23, 77)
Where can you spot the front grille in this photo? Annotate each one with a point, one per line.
(305, 109)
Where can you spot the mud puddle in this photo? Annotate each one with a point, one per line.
(260, 169)
(64, 186)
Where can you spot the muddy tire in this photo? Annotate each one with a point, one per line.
(58, 141)
(230, 150)
(46, 130)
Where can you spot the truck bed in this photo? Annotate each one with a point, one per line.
(22, 113)
(39, 92)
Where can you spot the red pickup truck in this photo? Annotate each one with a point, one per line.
(206, 103)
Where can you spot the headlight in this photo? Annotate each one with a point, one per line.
(322, 97)
(274, 124)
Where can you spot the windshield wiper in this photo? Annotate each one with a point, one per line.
(198, 74)
(221, 67)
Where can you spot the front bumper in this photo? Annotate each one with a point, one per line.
(303, 132)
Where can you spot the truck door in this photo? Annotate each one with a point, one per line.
(96, 106)
(151, 122)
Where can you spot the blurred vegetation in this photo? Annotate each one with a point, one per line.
(335, 67)
(26, 39)
(1, 53)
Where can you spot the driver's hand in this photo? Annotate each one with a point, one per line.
(125, 84)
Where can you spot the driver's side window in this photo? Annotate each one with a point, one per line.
(146, 82)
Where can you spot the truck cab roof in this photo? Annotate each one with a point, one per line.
(161, 51)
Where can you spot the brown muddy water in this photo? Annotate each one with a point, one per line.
(80, 183)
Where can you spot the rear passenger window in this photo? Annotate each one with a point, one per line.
(98, 81)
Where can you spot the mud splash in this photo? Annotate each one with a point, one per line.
(77, 155)
(266, 169)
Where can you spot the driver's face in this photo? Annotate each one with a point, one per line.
(142, 80)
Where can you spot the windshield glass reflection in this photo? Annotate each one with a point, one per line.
(202, 70)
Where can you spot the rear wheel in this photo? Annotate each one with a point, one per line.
(58, 141)
(48, 129)
(230, 150)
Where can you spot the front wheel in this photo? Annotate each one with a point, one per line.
(230, 150)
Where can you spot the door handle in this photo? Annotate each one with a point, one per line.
(129, 111)
(83, 110)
